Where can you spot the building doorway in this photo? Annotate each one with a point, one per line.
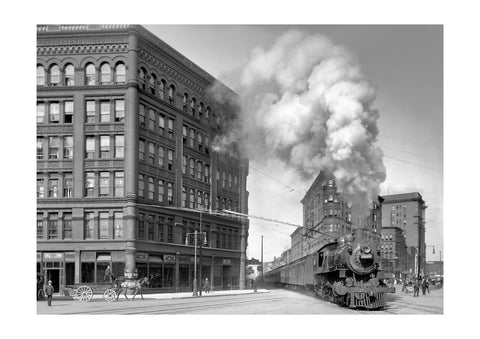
(54, 276)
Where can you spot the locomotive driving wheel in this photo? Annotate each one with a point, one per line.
(110, 295)
(84, 293)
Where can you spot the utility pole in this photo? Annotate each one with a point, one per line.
(262, 262)
(201, 241)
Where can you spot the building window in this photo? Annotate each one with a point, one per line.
(118, 225)
(40, 148)
(192, 198)
(40, 76)
(184, 134)
(119, 146)
(229, 181)
(40, 188)
(161, 191)
(184, 196)
(223, 179)
(90, 111)
(91, 76)
(192, 138)
(170, 160)
(120, 74)
(207, 112)
(199, 140)
(70, 75)
(103, 227)
(161, 156)
(184, 164)
(52, 225)
(53, 148)
(104, 184)
(89, 184)
(151, 82)
(161, 89)
(170, 193)
(141, 78)
(119, 184)
(199, 199)
(151, 153)
(193, 105)
(54, 116)
(141, 185)
(185, 102)
(90, 147)
(40, 113)
(54, 75)
(141, 227)
(141, 149)
(39, 226)
(199, 170)
(68, 112)
(141, 115)
(170, 128)
(104, 146)
(161, 124)
(89, 226)
(151, 119)
(67, 185)
(171, 95)
(105, 111)
(105, 74)
(119, 110)
(151, 188)
(67, 226)
(200, 110)
(207, 174)
(150, 229)
(170, 230)
(192, 167)
(207, 200)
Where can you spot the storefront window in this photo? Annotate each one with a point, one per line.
(88, 271)
(101, 267)
(169, 275)
(117, 269)
(184, 275)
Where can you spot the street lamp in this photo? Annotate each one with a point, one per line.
(195, 237)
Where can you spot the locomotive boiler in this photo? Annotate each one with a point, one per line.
(345, 271)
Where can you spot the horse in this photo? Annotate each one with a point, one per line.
(135, 285)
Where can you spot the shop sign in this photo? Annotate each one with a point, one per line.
(192, 259)
(169, 258)
(118, 256)
(87, 256)
(227, 262)
(141, 256)
(154, 258)
(69, 256)
(52, 256)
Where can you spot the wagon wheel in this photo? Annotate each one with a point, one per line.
(84, 293)
(110, 295)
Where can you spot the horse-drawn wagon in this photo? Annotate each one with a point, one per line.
(110, 291)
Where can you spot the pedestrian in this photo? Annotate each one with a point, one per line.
(108, 274)
(425, 286)
(416, 287)
(49, 292)
(206, 285)
(254, 284)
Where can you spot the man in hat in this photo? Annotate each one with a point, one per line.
(49, 292)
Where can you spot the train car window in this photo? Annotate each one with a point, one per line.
(320, 259)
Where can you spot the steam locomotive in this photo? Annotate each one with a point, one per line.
(346, 271)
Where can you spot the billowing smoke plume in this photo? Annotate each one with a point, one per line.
(306, 102)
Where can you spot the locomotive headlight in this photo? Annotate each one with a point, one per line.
(366, 249)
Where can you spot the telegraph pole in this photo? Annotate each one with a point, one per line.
(262, 262)
(200, 261)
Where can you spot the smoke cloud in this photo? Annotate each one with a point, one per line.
(306, 102)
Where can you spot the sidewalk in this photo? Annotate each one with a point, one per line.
(180, 295)
(434, 299)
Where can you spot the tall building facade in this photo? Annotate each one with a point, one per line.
(125, 165)
(393, 251)
(407, 212)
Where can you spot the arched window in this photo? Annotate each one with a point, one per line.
(161, 89)
(105, 74)
(141, 77)
(200, 110)
(152, 81)
(40, 76)
(185, 102)
(207, 112)
(193, 105)
(54, 75)
(120, 74)
(91, 76)
(69, 75)
(171, 94)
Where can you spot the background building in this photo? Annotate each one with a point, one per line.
(394, 252)
(407, 212)
(124, 133)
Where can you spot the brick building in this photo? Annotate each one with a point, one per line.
(125, 162)
(393, 249)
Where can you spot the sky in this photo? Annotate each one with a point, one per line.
(405, 66)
